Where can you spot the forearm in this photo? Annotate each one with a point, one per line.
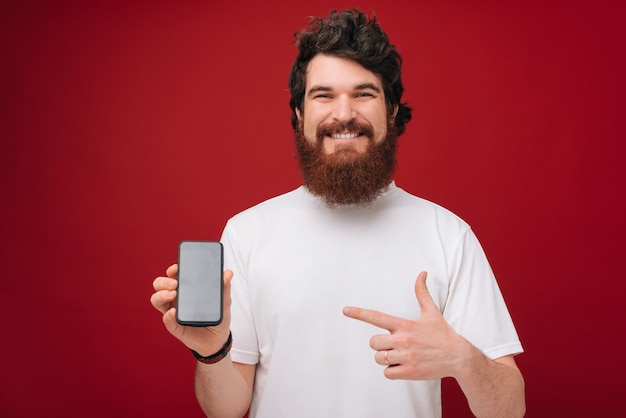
(493, 388)
(221, 390)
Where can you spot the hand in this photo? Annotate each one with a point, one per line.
(204, 340)
(422, 349)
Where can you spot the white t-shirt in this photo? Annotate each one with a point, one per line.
(297, 263)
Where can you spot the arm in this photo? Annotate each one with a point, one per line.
(428, 348)
(493, 388)
(223, 389)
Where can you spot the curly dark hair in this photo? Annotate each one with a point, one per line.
(353, 35)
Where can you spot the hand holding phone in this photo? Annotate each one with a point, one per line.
(199, 300)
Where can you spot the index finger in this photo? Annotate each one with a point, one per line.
(172, 270)
(376, 318)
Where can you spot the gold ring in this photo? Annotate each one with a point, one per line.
(387, 361)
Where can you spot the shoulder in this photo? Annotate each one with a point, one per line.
(270, 208)
(426, 211)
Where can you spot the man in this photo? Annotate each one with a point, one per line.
(308, 263)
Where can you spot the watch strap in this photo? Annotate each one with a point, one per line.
(214, 358)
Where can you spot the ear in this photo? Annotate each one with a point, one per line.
(392, 116)
(298, 115)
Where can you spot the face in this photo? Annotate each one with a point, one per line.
(344, 106)
(346, 145)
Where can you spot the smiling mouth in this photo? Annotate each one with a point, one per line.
(345, 136)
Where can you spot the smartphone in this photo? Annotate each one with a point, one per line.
(200, 293)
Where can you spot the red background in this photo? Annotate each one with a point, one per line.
(126, 128)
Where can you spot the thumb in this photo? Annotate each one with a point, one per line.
(228, 277)
(422, 294)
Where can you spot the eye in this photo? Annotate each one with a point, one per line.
(364, 94)
(323, 97)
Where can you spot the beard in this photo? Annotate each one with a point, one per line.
(347, 177)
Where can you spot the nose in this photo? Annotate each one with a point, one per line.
(343, 109)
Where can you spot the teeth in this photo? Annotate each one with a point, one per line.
(345, 136)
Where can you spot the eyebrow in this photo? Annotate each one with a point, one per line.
(363, 86)
(368, 86)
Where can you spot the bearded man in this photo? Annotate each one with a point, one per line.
(324, 274)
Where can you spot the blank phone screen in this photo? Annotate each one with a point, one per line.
(200, 266)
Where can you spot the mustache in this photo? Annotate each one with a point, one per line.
(330, 128)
